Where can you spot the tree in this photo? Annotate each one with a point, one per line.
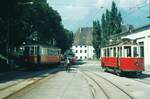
(111, 23)
(64, 41)
(97, 37)
(37, 23)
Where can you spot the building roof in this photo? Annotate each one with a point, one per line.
(138, 29)
(83, 36)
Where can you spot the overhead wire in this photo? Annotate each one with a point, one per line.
(135, 8)
(92, 17)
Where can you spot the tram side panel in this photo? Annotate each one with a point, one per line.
(50, 59)
(109, 62)
(131, 64)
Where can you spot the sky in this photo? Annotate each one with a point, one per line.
(81, 13)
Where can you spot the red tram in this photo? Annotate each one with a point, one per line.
(38, 55)
(126, 57)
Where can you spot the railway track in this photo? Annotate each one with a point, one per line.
(147, 82)
(109, 89)
(93, 89)
(17, 89)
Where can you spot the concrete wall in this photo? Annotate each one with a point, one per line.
(143, 36)
(83, 52)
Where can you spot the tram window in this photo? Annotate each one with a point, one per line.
(31, 50)
(135, 52)
(111, 52)
(114, 52)
(51, 52)
(141, 51)
(127, 50)
(42, 51)
(26, 51)
(120, 51)
(36, 51)
(107, 52)
(46, 51)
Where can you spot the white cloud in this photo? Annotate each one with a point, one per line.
(70, 13)
(78, 11)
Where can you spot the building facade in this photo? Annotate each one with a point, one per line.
(142, 35)
(82, 46)
(83, 52)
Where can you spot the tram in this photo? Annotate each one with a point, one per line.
(39, 55)
(125, 57)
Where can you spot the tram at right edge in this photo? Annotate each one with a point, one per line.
(125, 57)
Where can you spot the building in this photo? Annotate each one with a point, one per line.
(82, 46)
(142, 35)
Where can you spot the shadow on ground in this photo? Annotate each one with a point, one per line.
(25, 74)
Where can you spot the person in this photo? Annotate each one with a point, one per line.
(67, 64)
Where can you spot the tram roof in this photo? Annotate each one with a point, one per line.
(132, 43)
(41, 45)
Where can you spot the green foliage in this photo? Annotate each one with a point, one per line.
(97, 37)
(64, 41)
(111, 23)
(31, 21)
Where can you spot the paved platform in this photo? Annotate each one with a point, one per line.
(66, 85)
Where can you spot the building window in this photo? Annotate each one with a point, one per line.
(81, 46)
(85, 46)
(76, 51)
(80, 57)
(85, 57)
(85, 51)
(80, 51)
(76, 46)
